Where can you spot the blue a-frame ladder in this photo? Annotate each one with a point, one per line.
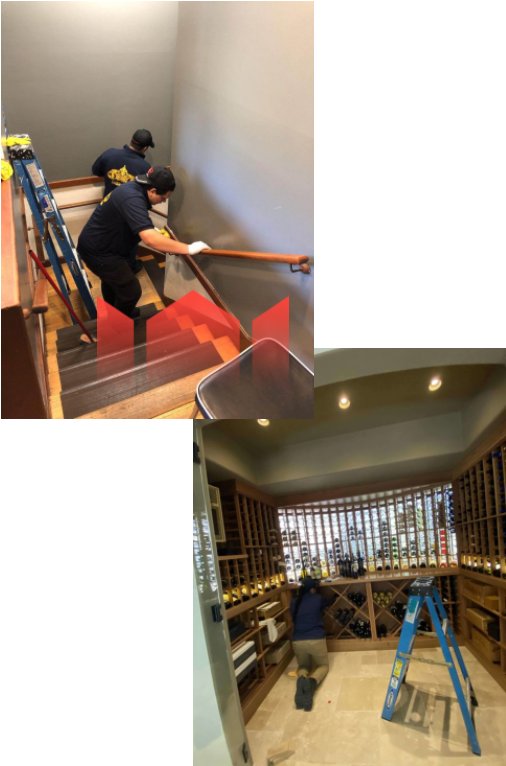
(48, 219)
(423, 591)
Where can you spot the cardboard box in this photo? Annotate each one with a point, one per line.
(479, 618)
(484, 646)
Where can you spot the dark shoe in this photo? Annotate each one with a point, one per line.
(137, 266)
(310, 688)
(300, 694)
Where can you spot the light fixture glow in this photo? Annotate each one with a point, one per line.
(435, 383)
(263, 422)
(344, 402)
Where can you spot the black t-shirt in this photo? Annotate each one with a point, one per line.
(114, 227)
(118, 166)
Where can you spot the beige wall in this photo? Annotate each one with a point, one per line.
(243, 148)
(485, 408)
(80, 77)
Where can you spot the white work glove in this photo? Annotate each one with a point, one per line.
(197, 247)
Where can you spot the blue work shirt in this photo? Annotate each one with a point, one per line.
(119, 166)
(114, 227)
(309, 618)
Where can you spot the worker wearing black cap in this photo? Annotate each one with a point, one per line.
(117, 225)
(118, 166)
(308, 641)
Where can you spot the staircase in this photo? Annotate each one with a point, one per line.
(127, 384)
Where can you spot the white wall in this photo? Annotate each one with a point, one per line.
(80, 77)
(485, 407)
(333, 365)
(209, 743)
(226, 458)
(243, 149)
(373, 452)
(409, 448)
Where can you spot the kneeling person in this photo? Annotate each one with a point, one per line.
(120, 222)
(309, 642)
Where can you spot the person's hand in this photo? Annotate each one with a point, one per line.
(197, 247)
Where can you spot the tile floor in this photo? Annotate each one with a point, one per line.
(345, 727)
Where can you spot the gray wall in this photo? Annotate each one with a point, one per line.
(242, 149)
(80, 77)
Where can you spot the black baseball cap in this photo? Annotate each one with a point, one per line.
(159, 177)
(142, 138)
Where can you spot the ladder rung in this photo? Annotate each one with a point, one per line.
(424, 659)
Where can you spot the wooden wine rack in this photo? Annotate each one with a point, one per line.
(257, 684)
(250, 557)
(342, 637)
(480, 514)
(252, 575)
(480, 521)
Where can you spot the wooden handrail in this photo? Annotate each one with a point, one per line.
(40, 302)
(254, 256)
(291, 259)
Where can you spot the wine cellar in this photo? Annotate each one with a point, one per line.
(365, 551)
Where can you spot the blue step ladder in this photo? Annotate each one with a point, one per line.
(423, 591)
(49, 220)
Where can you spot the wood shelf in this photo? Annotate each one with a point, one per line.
(480, 520)
(249, 563)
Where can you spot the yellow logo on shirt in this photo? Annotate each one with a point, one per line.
(106, 198)
(119, 176)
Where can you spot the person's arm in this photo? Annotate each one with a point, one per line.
(153, 238)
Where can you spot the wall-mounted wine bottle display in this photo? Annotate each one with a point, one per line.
(250, 557)
(480, 521)
(347, 537)
(481, 514)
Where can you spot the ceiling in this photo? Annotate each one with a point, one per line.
(376, 400)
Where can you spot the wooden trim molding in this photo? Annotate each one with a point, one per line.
(67, 182)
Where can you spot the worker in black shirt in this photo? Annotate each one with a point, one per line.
(118, 166)
(118, 223)
(308, 641)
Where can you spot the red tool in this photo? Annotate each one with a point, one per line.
(53, 284)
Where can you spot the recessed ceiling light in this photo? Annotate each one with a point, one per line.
(344, 402)
(435, 383)
(263, 422)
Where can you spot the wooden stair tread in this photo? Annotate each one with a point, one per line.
(68, 337)
(159, 402)
(99, 394)
(91, 369)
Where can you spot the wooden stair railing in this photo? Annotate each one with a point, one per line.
(292, 260)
